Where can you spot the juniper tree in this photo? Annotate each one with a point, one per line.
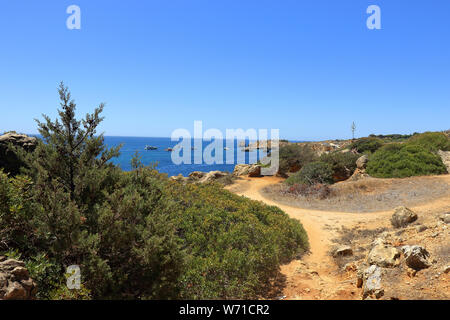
(71, 147)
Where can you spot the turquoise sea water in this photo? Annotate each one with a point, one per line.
(163, 158)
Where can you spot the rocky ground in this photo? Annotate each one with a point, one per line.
(362, 255)
(409, 262)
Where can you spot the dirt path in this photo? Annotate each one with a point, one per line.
(316, 275)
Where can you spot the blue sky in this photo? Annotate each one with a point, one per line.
(308, 68)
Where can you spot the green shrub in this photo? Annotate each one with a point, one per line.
(432, 141)
(343, 164)
(293, 157)
(157, 239)
(367, 145)
(404, 160)
(234, 245)
(312, 173)
(135, 234)
(393, 137)
(46, 274)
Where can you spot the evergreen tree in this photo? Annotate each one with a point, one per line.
(71, 146)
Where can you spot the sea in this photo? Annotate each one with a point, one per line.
(163, 160)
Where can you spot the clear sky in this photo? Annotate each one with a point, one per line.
(308, 68)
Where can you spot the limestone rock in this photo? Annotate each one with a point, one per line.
(20, 273)
(179, 178)
(15, 291)
(350, 267)
(372, 282)
(402, 216)
(445, 156)
(212, 176)
(8, 158)
(196, 175)
(445, 217)
(359, 174)
(416, 257)
(15, 282)
(200, 177)
(384, 255)
(421, 228)
(362, 162)
(342, 251)
(251, 170)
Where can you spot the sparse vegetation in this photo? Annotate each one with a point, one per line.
(318, 190)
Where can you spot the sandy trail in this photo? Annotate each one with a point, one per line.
(316, 275)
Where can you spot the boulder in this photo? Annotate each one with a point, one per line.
(350, 267)
(358, 174)
(179, 178)
(212, 176)
(445, 156)
(342, 251)
(381, 241)
(362, 162)
(254, 171)
(416, 257)
(8, 157)
(196, 175)
(445, 217)
(11, 264)
(421, 228)
(17, 139)
(402, 216)
(251, 170)
(371, 278)
(20, 273)
(200, 177)
(15, 291)
(384, 255)
(15, 282)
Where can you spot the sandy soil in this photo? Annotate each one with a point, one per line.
(368, 195)
(316, 275)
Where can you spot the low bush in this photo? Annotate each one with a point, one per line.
(404, 160)
(343, 164)
(367, 145)
(293, 157)
(153, 238)
(312, 173)
(432, 141)
(135, 235)
(393, 137)
(234, 245)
